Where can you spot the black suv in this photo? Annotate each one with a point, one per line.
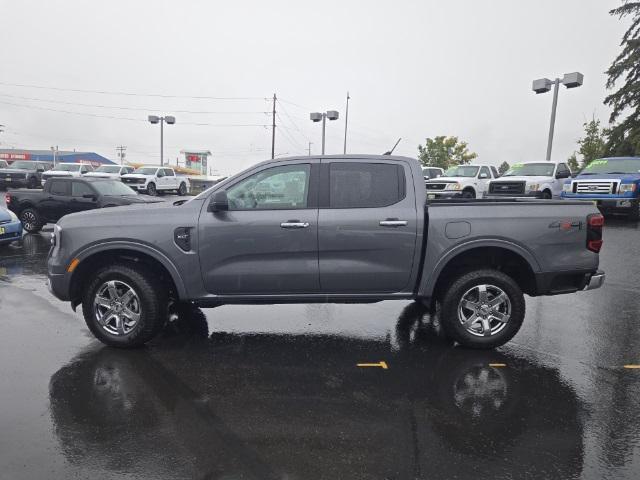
(23, 173)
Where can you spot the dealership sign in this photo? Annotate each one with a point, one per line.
(15, 156)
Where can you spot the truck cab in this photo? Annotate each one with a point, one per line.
(612, 183)
(530, 180)
(461, 181)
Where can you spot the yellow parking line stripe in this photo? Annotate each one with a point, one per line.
(497, 364)
(382, 365)
(632, 366)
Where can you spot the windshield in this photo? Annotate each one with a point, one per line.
(67, 167)
(108, 169)
(23, 165)
(461, 171)
(542, 169)
(612, 165)
(146, 170)
(113, 188)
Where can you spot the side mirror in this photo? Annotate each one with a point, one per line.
(426, 177)
(91, 196)
(562, 175)
(219, 202)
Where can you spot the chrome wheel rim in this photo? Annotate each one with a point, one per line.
(484, 310)
(117, 308)
(28, 219)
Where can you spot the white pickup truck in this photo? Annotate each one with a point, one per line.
(461, 181)
(114, 172)
(66, 170)
(530, 180)
(156, 179)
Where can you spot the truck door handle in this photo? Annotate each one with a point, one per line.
(393, 222)
(294, 224)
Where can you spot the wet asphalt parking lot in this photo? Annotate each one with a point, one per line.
(274, 392)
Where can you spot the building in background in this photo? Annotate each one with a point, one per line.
(91, 158)
(196, 160)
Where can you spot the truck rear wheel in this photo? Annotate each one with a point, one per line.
(182, 189)
(482, 309)
(124, 306)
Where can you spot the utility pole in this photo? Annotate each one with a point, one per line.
(346, 122)
(273, 129)
(121, 149)
(309, 149)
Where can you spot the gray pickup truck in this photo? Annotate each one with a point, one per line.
(354, 228)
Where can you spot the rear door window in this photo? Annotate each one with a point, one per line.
(59, 187)
(358, 185)
(78, 189)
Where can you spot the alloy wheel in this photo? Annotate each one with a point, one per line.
(117, 307)
(484, 310)
(28, 220)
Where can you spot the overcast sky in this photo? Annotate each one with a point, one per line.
(415, 69)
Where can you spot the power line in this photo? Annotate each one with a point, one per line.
(288, 137)
(140, 109)
(284, 110)
(113, 117)
(129, 94)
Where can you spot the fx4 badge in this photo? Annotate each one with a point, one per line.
(566, 225)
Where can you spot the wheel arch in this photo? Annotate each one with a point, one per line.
(500, 255)
(97, 256)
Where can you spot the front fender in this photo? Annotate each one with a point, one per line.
(137, 247)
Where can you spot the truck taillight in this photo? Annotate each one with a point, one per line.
(7, 199)
(595, 222)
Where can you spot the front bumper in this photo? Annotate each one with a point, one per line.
(436, 194)
(523, 196)
(58, 279)
(10, 232)
(607, 203)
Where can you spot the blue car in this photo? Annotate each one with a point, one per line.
(612, 183)
(10, 227)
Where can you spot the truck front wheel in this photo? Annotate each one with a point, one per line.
(482, 309)
(124, 306)
(151, 189)
(634, 212)
(468, 193)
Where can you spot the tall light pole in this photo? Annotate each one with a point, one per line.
(161, 120)
(317, 116)
(346, 123)
(543, 85)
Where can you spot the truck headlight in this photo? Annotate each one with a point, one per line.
(533, 187)
(453, 186)
(566, 187)
(14, 217)
(627, 187)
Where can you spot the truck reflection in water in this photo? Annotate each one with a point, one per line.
(297, 407)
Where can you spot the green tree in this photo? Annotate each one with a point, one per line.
(594, 143)
(443, 152)
(572, 161)
(502, 169)
(624, 137)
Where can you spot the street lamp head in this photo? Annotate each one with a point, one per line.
(170, 120)
(315, 116)
(332, 114)
(572, 80)
(154, 119)
(542, 85)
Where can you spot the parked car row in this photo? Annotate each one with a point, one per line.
(612, 183)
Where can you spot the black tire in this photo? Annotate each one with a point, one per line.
(151, 189)
(31, 220)
(453, 296)
(634, 212)
(468, 193)
(182, 189)
(33, 183)
(546, 195)
(152, 295)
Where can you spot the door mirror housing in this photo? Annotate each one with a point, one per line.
(91, 196)
(219, 202)
(563, 175)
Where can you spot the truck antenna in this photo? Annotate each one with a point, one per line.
(390, 152)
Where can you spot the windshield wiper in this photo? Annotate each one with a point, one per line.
(616, 173)
(588, 173)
